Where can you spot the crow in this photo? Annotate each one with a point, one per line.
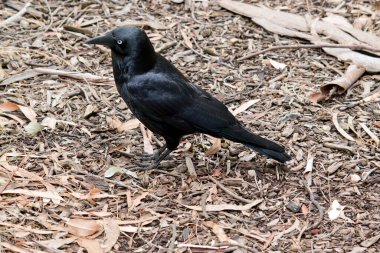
(166, 102)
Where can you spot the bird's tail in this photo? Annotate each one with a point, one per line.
(263, 146)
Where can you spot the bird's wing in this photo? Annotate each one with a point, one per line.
(178, 103)
(159, 95)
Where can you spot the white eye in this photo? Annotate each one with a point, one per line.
(119, 42)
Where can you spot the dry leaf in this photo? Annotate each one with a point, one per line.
(33, 128)
(354, 178)
(154, 24)
(129, 125)
(277, 65)
(112, 233)
(339, 128)
(92, 246)
(137, 201)
(335, 210)
(218, 231)
(29, 113)
(148, 148)
(340, 85)
(9, 107)
(56, 243)
(186, 39)
(30, 193)
(216, 146)
(83, 228)
(49, 122)
(370, 133)
(90, 110)
(131, 229)
(245, 106)
(370, 241)
(190, 167)
(217, 208)
(14, 248)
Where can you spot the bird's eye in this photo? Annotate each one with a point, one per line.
(119, 42)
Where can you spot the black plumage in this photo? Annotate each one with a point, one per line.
(166, 102)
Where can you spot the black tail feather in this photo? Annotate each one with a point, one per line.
(263, 146)
(278, 156)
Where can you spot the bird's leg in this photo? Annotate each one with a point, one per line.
(161, 157)
(155, 155)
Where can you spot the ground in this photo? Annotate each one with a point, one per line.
(58, 184)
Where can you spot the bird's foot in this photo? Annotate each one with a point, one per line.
(155, 156)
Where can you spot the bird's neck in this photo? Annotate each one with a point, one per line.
(126, 67)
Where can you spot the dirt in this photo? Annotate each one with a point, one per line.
(53, 189)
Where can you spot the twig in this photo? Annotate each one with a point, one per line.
(301, 233)
(118, 183)
(354, 47)
(229, 192)
(203, 204)
(15, 17)
(249, 249)
(166, 46)
(172, 240)
(317, 205)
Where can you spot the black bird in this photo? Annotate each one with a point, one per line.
(166, 102)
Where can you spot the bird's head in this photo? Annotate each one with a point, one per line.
(125, 41)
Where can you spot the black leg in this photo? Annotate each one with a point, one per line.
(146, 157)
(161, 157)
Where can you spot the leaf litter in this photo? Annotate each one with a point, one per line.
(63, 90)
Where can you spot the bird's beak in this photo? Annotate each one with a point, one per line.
(105, 40)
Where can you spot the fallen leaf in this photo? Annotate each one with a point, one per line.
(49, 122)
(190, 167)
(29, 113)
(217, 208)
(14, 248)
(112, 233)
(212, 191)
(92, 246)
(244, 106)
(370, 133)
(56, 243)
(216, 146)
(129, 125)
(9, 107)
(339, 128)
(277, 65)
(118, 170)
(132, 229)
(370, 241)
(186, 39)
(33, 128)
(354, 178)
(148, 148)
(112, 171)
(90, 110)
(40, 194)
(137, 201)
(335, 210)
(83, 228)
(218, 231)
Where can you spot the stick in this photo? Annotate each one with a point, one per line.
(172, 240)
(15, 17)
(354, 47)
(118, 183)
(317, 205)
(229, 192)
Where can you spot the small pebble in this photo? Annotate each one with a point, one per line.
(293, 207)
